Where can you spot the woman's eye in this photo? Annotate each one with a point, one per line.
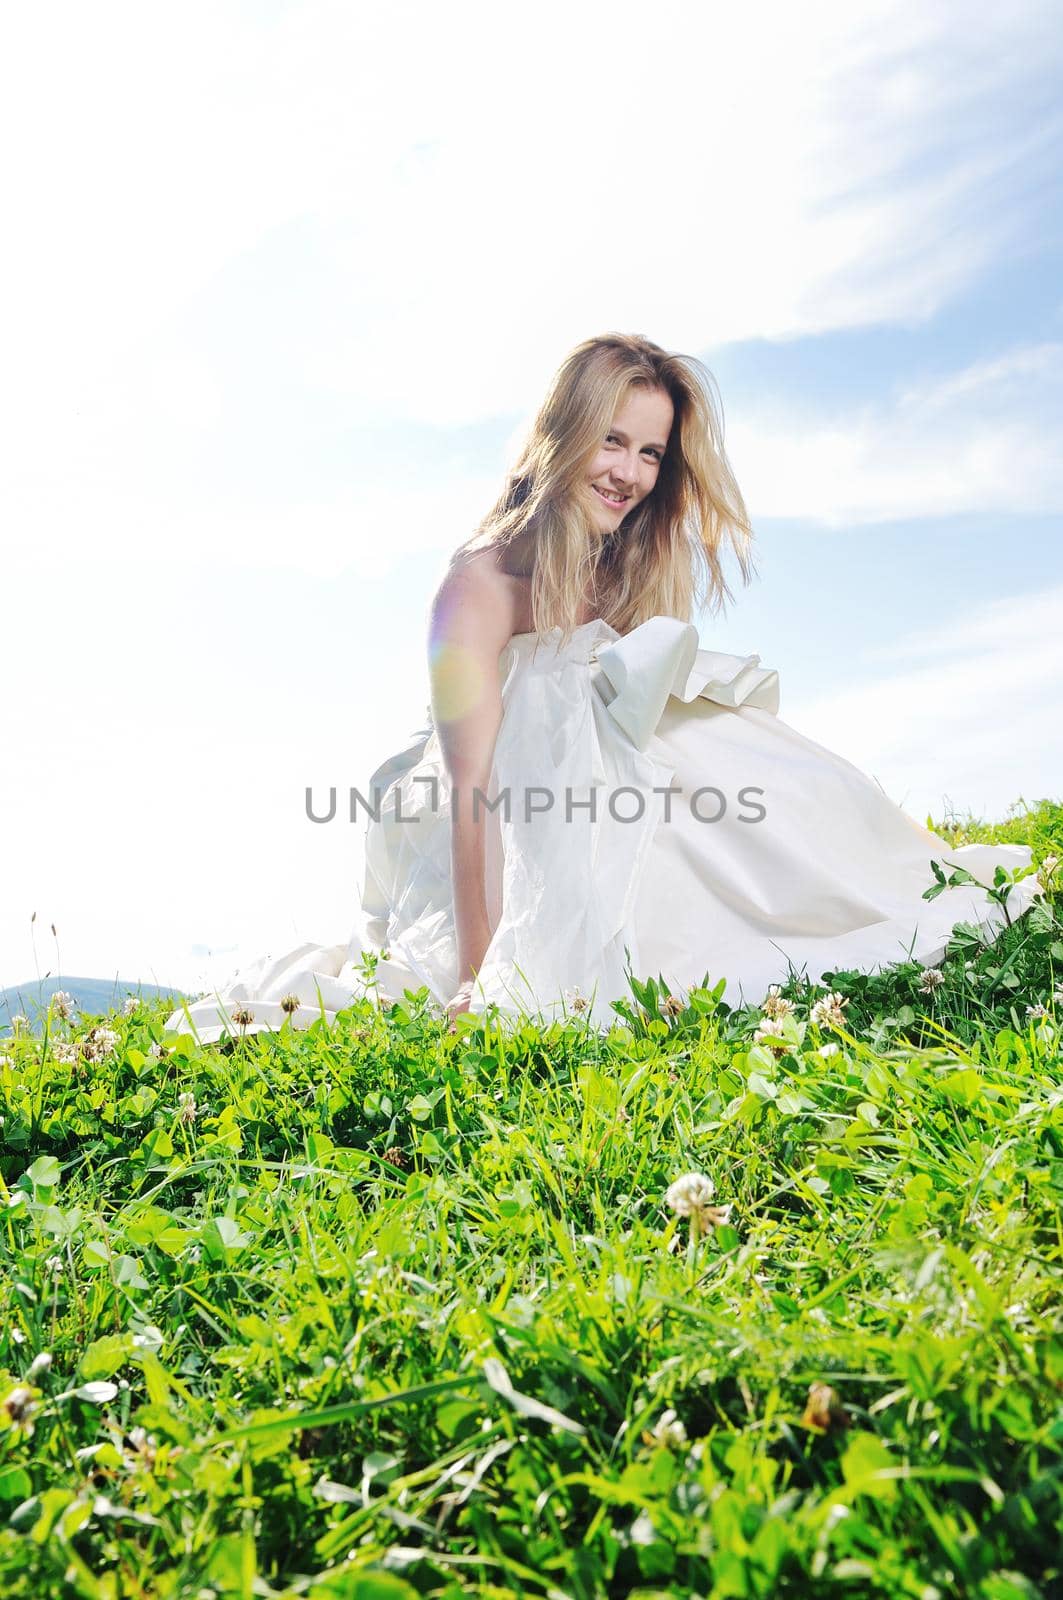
(610, 437)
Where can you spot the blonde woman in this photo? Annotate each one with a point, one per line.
(597, 796)
(617, 510)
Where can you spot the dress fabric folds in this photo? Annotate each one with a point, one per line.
(648, 813)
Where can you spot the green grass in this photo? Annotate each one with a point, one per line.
(379, 1311)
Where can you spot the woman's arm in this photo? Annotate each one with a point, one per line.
(471, 624)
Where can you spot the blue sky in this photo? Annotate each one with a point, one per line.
(291, 280)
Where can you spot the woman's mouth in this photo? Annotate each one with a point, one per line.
(610, 499)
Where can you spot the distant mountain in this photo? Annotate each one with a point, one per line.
(92, 996)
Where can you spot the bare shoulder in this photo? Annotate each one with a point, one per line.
(478, 603)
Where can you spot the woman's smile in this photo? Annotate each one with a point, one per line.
(611, 497)
(631, 453)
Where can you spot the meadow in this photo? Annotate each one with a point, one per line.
(716, 1303)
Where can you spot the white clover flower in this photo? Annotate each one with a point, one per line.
(38, 1366)
(54, 1264)
(772, 1033)
(18, 1022)
(63, 1004)
(130, 1005)
(575, 1000)
(668, 1431)
(931, 978)
(65, 1051)
(1037, 1011)
(186, 1107)
(1049, 865)
(828, 1050)
(690, 1196)
(775, 1006)
(824, 1409)
(100, 1043)
(142, 1448)
(6, 1061)
(828, 1012)
(1057, 995)
(690, 1193)
(154, 1051)
(20, 1406)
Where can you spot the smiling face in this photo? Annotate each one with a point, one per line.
(625, 468)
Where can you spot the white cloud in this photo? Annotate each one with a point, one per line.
(978, 726)
(1004, 627)
(157, 751)
(230, 221)
(245, 234)
(984, 438)
(369, 528)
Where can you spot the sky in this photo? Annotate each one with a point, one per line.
(283, 284)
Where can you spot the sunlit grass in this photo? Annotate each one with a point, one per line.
(381, 1311)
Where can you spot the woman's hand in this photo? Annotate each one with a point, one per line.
(458, 1005)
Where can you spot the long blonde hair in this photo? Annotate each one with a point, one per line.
(664, 560)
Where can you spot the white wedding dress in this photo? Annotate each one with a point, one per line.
(770, 855)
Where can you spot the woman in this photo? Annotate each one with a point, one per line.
(596, 796)
(600, 519)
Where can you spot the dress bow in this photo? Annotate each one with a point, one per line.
(660, 658)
